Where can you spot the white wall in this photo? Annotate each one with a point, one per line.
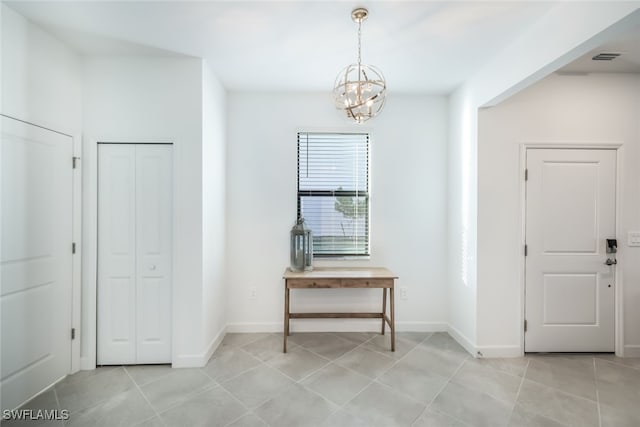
(462, 224)
(408, 208)
(539, 50)
(41, 77)
(213, 161)
(598, 108)
(42, 85)
(157, 99)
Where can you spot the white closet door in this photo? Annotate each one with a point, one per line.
(153, 253)
(135, 253)
(36, 261)
(116, 254)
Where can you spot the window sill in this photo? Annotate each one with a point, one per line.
(321, 260)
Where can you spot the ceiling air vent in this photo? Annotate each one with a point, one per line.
(605, 56)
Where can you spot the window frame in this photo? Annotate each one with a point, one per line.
(338, 193)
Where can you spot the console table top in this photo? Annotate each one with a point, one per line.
(341, 273)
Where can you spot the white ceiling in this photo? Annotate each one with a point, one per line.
(627, 44)
(421, 46)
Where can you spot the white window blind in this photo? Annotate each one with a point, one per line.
(333, 191)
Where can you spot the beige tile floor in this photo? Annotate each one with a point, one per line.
(352, 379)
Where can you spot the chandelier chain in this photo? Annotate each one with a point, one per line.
(359, 41)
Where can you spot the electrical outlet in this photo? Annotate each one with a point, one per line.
(403, 292)
(253, 292)
(633, 239)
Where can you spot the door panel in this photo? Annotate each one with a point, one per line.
(116, 255)
(153, 277)
(134, 253)
(563, 231)
(36, 260)
(569, 305)
(560, 288)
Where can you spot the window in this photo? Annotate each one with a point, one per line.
(333, 191)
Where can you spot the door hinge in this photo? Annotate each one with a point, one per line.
(73, 248)
(526, 174)
(526, 250)
(73, 333)
(525, 325)
(75, 161)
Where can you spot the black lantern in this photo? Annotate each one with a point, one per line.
(301, 247)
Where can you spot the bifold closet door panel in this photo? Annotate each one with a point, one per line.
(116, 254)
(134, 253)
(153, 252)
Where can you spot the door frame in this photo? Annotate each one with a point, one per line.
(619, 277)
(89, 331)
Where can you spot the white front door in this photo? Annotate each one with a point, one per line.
(571, 201)
(36, 260)
(134, 253)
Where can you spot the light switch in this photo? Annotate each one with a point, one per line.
(633, 238)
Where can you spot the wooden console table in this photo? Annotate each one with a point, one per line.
(342, 277)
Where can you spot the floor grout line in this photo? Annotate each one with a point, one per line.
(222, 344)
(603, 359)
(555, 390)
(396, 361)
(55, 394)
(250, 411)
(94, 404)
(428, 407)
(144, 397)
(260, 362)
(595, 378)
(153, 380)
(515, 402)
(267, 365)
(561, 391)
(371, 381)
(340, 357)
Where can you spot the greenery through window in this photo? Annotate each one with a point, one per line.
(333, 191)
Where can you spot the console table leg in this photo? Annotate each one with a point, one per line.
(393, 321)
(384, 307)
(286, 318)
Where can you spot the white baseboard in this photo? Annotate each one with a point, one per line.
(334, 325)
(486, 351)
(87, 364)
(188, 361)
(254, 327)
(422, 327)
(632, 351)
(462, 340)
(214, 344)
(199, 360)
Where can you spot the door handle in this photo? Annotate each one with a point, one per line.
(610, 261)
